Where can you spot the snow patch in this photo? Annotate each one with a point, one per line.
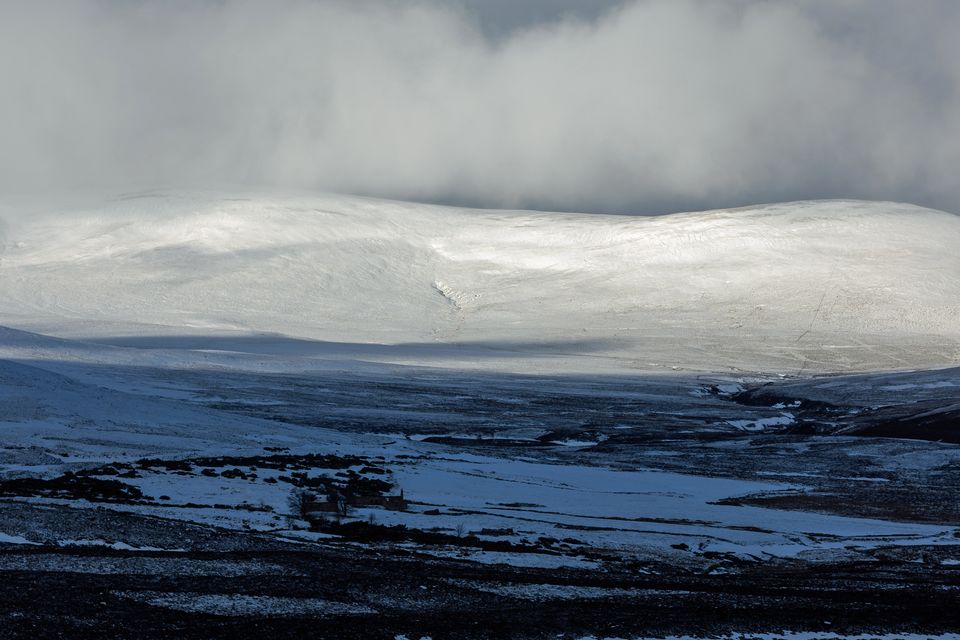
(763, 423)
(238, 605)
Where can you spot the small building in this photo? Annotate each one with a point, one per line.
(339, 502)
(390, 503)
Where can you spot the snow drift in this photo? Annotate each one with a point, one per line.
(797, 287)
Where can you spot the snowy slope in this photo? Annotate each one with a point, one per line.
(43, 413)
(799, 287)
(51, 423)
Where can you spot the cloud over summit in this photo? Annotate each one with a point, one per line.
(651, 106)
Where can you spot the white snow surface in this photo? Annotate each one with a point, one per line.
(798, 287)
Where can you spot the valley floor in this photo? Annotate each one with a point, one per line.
(182, 493)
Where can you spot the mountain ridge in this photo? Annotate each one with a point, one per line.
(810, 286)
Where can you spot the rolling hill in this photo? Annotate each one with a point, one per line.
(792, 288)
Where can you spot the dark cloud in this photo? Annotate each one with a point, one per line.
(503, 18)
(641, 107)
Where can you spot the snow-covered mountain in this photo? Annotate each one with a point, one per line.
(797, 287)
(185, 375)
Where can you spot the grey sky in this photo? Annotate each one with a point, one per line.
(641, 106)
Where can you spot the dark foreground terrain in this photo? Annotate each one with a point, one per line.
(347, 592)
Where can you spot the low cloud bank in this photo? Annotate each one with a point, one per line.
(653, 106)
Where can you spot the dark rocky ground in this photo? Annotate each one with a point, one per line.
(94, 594)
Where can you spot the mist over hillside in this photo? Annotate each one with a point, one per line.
(642, 107)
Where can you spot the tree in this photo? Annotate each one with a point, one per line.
(297, 503)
